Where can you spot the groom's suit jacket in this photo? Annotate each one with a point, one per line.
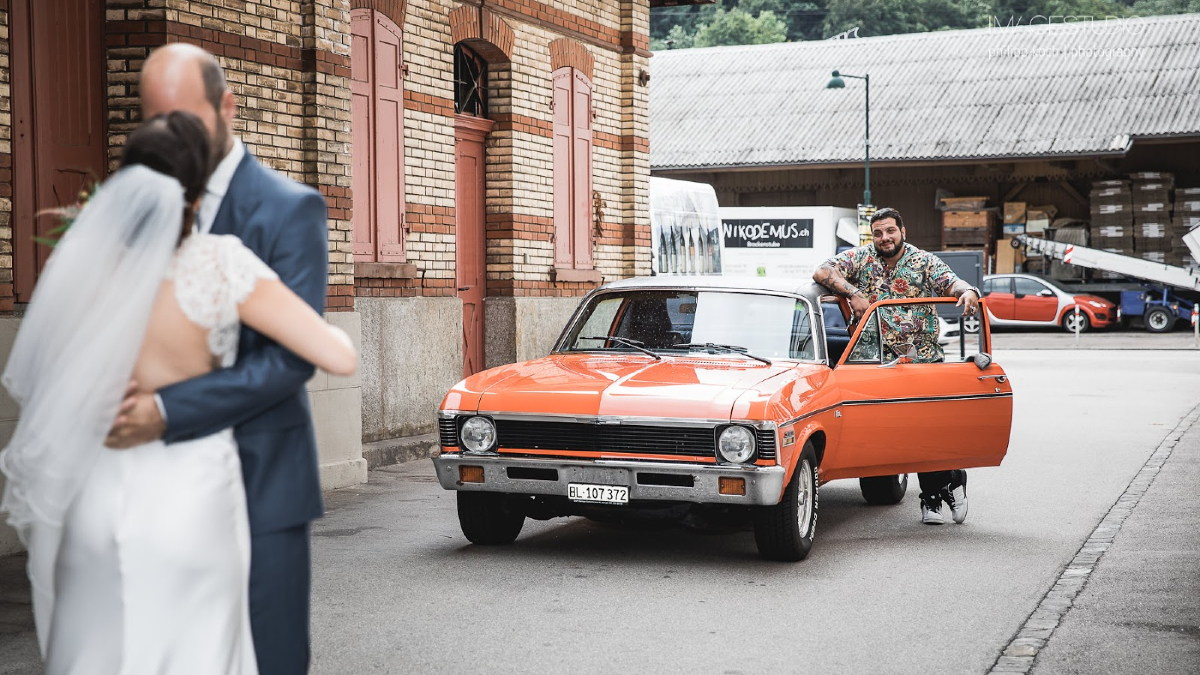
(263, 394)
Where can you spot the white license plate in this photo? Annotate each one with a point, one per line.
(598, 494)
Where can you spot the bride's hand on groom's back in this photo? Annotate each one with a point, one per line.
(138, 420)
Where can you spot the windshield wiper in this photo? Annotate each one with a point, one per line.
(734, 349)
(636, 344)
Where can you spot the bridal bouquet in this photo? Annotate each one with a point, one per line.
(66, 215)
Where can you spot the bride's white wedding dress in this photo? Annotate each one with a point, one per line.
(154, 563)
(151, 569)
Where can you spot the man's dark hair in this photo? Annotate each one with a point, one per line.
(887, 212)
(175, 144)
(214, 81)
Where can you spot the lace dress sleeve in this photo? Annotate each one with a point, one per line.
(214, 274)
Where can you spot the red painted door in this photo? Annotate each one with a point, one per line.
(581, 171)
(389, 139)
(470, 236)
(362, 123)
(563, 255)
(59, 126)
(377, 136)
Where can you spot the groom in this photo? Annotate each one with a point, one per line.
(263, 395)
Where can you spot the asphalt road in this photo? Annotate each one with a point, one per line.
(399, 590)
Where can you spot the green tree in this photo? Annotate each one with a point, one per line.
(737, 27)
(891, 17)
(676, 38)
(1163, 7)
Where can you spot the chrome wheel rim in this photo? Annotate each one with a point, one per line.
(804, 497)
(1074, 322)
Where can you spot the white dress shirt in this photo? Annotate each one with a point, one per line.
(218, 185)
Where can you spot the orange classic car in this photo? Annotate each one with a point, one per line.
(717, 397)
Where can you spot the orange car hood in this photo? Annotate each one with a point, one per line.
(633, 385)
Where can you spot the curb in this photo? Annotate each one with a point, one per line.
(400, 450)
(1022, 651)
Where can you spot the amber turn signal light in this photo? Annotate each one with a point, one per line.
(731, 486)
(470, 474)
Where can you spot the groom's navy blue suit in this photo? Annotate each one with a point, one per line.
(263, 397)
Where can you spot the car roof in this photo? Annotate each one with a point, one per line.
(803, 287)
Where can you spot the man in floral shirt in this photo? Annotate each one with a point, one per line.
(892, 268)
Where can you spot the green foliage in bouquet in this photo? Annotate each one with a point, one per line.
(66, 215)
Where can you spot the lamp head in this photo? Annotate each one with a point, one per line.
(837, 82)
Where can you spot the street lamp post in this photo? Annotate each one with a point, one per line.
(838, 83)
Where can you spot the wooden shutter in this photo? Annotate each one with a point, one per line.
(362, 180)
(581, 171)
(389, 140)
(563, 166)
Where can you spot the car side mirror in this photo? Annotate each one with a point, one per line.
(981, 360)
(1046, 293)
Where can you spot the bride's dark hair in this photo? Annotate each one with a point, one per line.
(175, 144)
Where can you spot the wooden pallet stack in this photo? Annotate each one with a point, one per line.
(1151, 191)
(1187, 218)
(967, 225)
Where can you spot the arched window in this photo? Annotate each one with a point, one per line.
(572, 169)
(377, 137)
(470, 82)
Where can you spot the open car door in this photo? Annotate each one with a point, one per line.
(916, 406)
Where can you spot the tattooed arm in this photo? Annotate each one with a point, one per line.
(829, 276)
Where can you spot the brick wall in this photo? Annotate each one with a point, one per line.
(287, 63)
(519, 201)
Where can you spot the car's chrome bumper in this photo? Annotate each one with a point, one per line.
(764, 484)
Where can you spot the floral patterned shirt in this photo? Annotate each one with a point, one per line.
(918, 274)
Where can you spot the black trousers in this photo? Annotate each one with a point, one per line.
(280, 584)
(932, 482)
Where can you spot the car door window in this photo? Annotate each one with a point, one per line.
(1029, 286)
(891, 329)
(1003, 285)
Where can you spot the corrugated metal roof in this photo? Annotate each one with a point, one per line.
(1004, 92)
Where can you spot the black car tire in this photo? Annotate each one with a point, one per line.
(883, 490)
(1159, 320)
(785, 531)
(489, 518)
(1085, 321)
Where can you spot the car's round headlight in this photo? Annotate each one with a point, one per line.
(736, 444)
(478, 434)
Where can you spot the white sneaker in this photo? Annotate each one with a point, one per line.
(931, 510)
(956, 499)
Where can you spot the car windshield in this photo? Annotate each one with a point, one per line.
(766, 326)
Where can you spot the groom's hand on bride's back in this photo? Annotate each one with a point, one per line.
(138, 420)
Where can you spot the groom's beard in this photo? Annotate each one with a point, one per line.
(219, 142)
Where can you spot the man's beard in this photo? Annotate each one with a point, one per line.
(220, 140)
(899, 247)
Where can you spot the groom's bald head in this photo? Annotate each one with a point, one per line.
(185, 77)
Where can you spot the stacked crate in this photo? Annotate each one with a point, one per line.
(1112, 219)
(1186, 219)
(1152, 229)
(967, 224)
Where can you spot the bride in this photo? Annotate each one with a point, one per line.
(139, 559)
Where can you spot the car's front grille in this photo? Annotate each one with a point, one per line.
(448, 431)
(618, 438)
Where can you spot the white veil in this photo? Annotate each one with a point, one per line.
(75, 352)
